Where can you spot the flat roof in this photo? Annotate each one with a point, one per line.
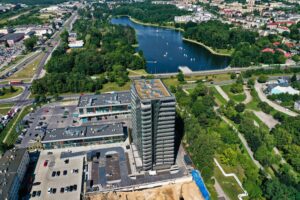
(9, 164)
(83, 132)
(113, 98)
(150, 89)
(12, 36)
(56, 162)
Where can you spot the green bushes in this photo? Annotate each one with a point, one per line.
(72, 71)
(262, 79)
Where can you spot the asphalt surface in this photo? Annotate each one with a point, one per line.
(263, 97)
(23, 100)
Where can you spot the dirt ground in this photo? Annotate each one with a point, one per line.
(179, 191)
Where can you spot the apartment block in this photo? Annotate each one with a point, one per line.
(153, 123)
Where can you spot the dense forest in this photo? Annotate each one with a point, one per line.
(206, 137)
(107, 52)
(35, 2)
(150, 13)
(246, 44)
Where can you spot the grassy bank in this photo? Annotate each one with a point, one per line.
(18, 90)
(219, 52)
(150, 24)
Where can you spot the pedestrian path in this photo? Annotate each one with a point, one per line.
(240, 196)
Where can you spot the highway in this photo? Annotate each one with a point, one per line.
(213, 72)
(23, 100)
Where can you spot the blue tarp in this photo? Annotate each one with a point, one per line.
(199, 182)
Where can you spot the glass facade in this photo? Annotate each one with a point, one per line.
(83, 142)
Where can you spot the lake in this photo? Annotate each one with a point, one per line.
(165, 50)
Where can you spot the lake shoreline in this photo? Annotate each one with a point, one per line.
(149, 24)
(206, 47)
(177, 29)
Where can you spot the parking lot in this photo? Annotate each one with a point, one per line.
(47, 117)
(56, 177)
(8, 53)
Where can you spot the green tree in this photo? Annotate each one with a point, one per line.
(30, 43)
(180, 77)
(262, 79)
(240, 107)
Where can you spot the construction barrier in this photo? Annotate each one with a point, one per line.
(200, 183)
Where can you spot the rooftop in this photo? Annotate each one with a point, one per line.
(83, 132)
(105, 99)
(12, 36)
(51, 185)
(151, 89)
(9, 164)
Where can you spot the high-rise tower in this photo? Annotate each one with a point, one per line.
(153, 123)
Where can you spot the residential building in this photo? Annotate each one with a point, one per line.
(84, 135)
(12, 38)
(282, 90)
(13, 166)
(153, 123)
(96, 107)
(297, 105)
(58, 176)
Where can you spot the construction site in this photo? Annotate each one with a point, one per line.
(178, 191)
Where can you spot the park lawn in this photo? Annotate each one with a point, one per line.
(10, 134)
(190, 91)
(142, 72)
(3, 111)
(112, 86)
(252, 105)
(261, 124)
(18, 58)
(224, 51)
(171, 81)
(239, 97)
(218, 97)
(228, 184)
(18, 91)
(6, 105)
(29, 70)
(216, 77)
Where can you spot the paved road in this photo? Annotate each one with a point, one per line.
(219, 190)
(23, 100)
(248, 95)
(210, 72)
(263, 97)
(28, 59)
(243, 140)
(222, 93)
(267, 119)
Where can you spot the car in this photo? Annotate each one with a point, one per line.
(33, 194)
(71, 188)
(75, 187)
(62, 190)
(36, 183)
(49, 190)
(38, 193)
(46, 163)
(53, 173)
(58, 173)
(65, 172)
(67, 161)
(53, 190)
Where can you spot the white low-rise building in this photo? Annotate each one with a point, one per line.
(284, 90)
(297, 105)
(76, 44)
